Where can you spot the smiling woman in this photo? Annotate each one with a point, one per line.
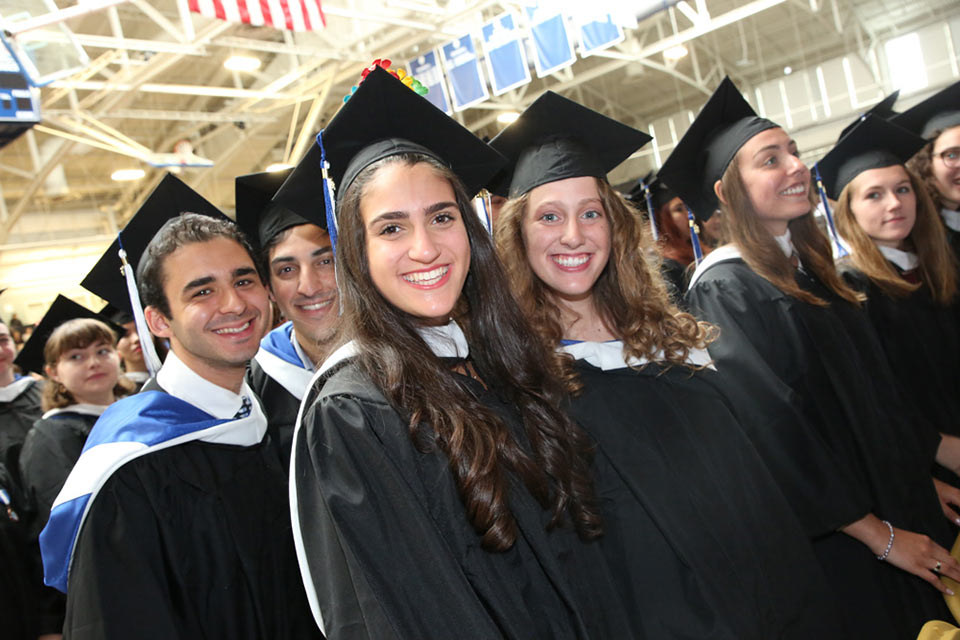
(437, 423)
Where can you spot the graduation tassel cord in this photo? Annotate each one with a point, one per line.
(694, 237)
(841, 250)
(653, 220)
(150, 357)
(329, 201)
(485, 204)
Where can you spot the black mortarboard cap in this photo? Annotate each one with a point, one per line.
(115, 315)
(31, 357)
(259, 218)
(725, 124)
(384, 118)
(872, 143)
(939, 111)
(660, 193)
(556, 138)
(883, 109)
(171, 198)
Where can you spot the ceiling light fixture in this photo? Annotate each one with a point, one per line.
(278, 166)
(242, 63)
(507, 117)
(124, 175)
(675, 52)
(787, 70)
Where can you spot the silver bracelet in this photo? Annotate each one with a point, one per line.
(886, 552)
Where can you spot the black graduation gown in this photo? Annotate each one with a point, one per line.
(675, 276)
(19, 573)
(280, 407)
(392, 553)
(953, 237)
(922, 342)
(833, 365)
(49, 452)
(190, 542)
(16, 419)
(697, 531)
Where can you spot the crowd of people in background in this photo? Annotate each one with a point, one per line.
(691, 409)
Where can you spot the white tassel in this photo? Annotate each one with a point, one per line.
(150, 356)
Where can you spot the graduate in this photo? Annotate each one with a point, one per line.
(297, 258)
(437, 491)
(789, 324)
(75, 347)
(901, 261)
(937, 120)
(129, 348)
(19, 575)
(20, 400)
(683, 481)
(174, 522)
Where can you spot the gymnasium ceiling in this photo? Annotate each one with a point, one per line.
(156, 77)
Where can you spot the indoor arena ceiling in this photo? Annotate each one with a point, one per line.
(156, 77)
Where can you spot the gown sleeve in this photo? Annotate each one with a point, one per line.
(354, 486)
(118, 586)
(755, 357)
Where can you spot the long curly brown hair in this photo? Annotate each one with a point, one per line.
(921, 164)
(938, 267)
(629, 294)
(765, 257)
(554, 465)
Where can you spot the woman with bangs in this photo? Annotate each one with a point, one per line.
(696, 530)
(791, 326)
(78, 354)
(901, 261)
(438, 490)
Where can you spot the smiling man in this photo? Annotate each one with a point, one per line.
(174, 523)
(298, 259)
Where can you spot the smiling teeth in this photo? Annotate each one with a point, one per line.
(794, 191)
(570, 261)
(427, 277)
(237, 330)
(316, 305)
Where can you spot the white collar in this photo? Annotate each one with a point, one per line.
(609, 355)
(83, 409)
(906, 260)
(13, 390)
(304, 358)
(137, 376)
(720, 254)
(180, 381)
(786, 245)
(447, 341)
(951, 218)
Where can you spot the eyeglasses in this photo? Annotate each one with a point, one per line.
(950, 157)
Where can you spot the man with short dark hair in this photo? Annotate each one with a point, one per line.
(174, 523)
(297, 257)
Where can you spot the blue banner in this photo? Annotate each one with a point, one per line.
(551, 41)
(598, 33)
(506, 57)
(463, 71)
(427, 70)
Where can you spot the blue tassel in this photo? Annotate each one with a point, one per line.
(834, 236)
(694, 237)
(329, 200)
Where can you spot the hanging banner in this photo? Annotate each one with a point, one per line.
(506, 57)
(597, 31)
(463, 71)
(427, 70)
(551, 40)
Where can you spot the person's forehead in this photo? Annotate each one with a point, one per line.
(310, 235)
(218, 255)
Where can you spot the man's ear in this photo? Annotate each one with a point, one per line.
(158, 323)
(718, 190)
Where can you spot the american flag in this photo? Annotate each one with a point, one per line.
(292, 15)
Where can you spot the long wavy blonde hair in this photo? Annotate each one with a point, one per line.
(629, 294)
(938, 267)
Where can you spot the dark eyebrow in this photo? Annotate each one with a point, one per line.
(767, 148)
(321, 251)
(440, 206)
(243, 271)
(199, 282)
(286, 259)
(389, 215)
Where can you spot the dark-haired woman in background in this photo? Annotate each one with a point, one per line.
(789, 321)
(438, 489)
